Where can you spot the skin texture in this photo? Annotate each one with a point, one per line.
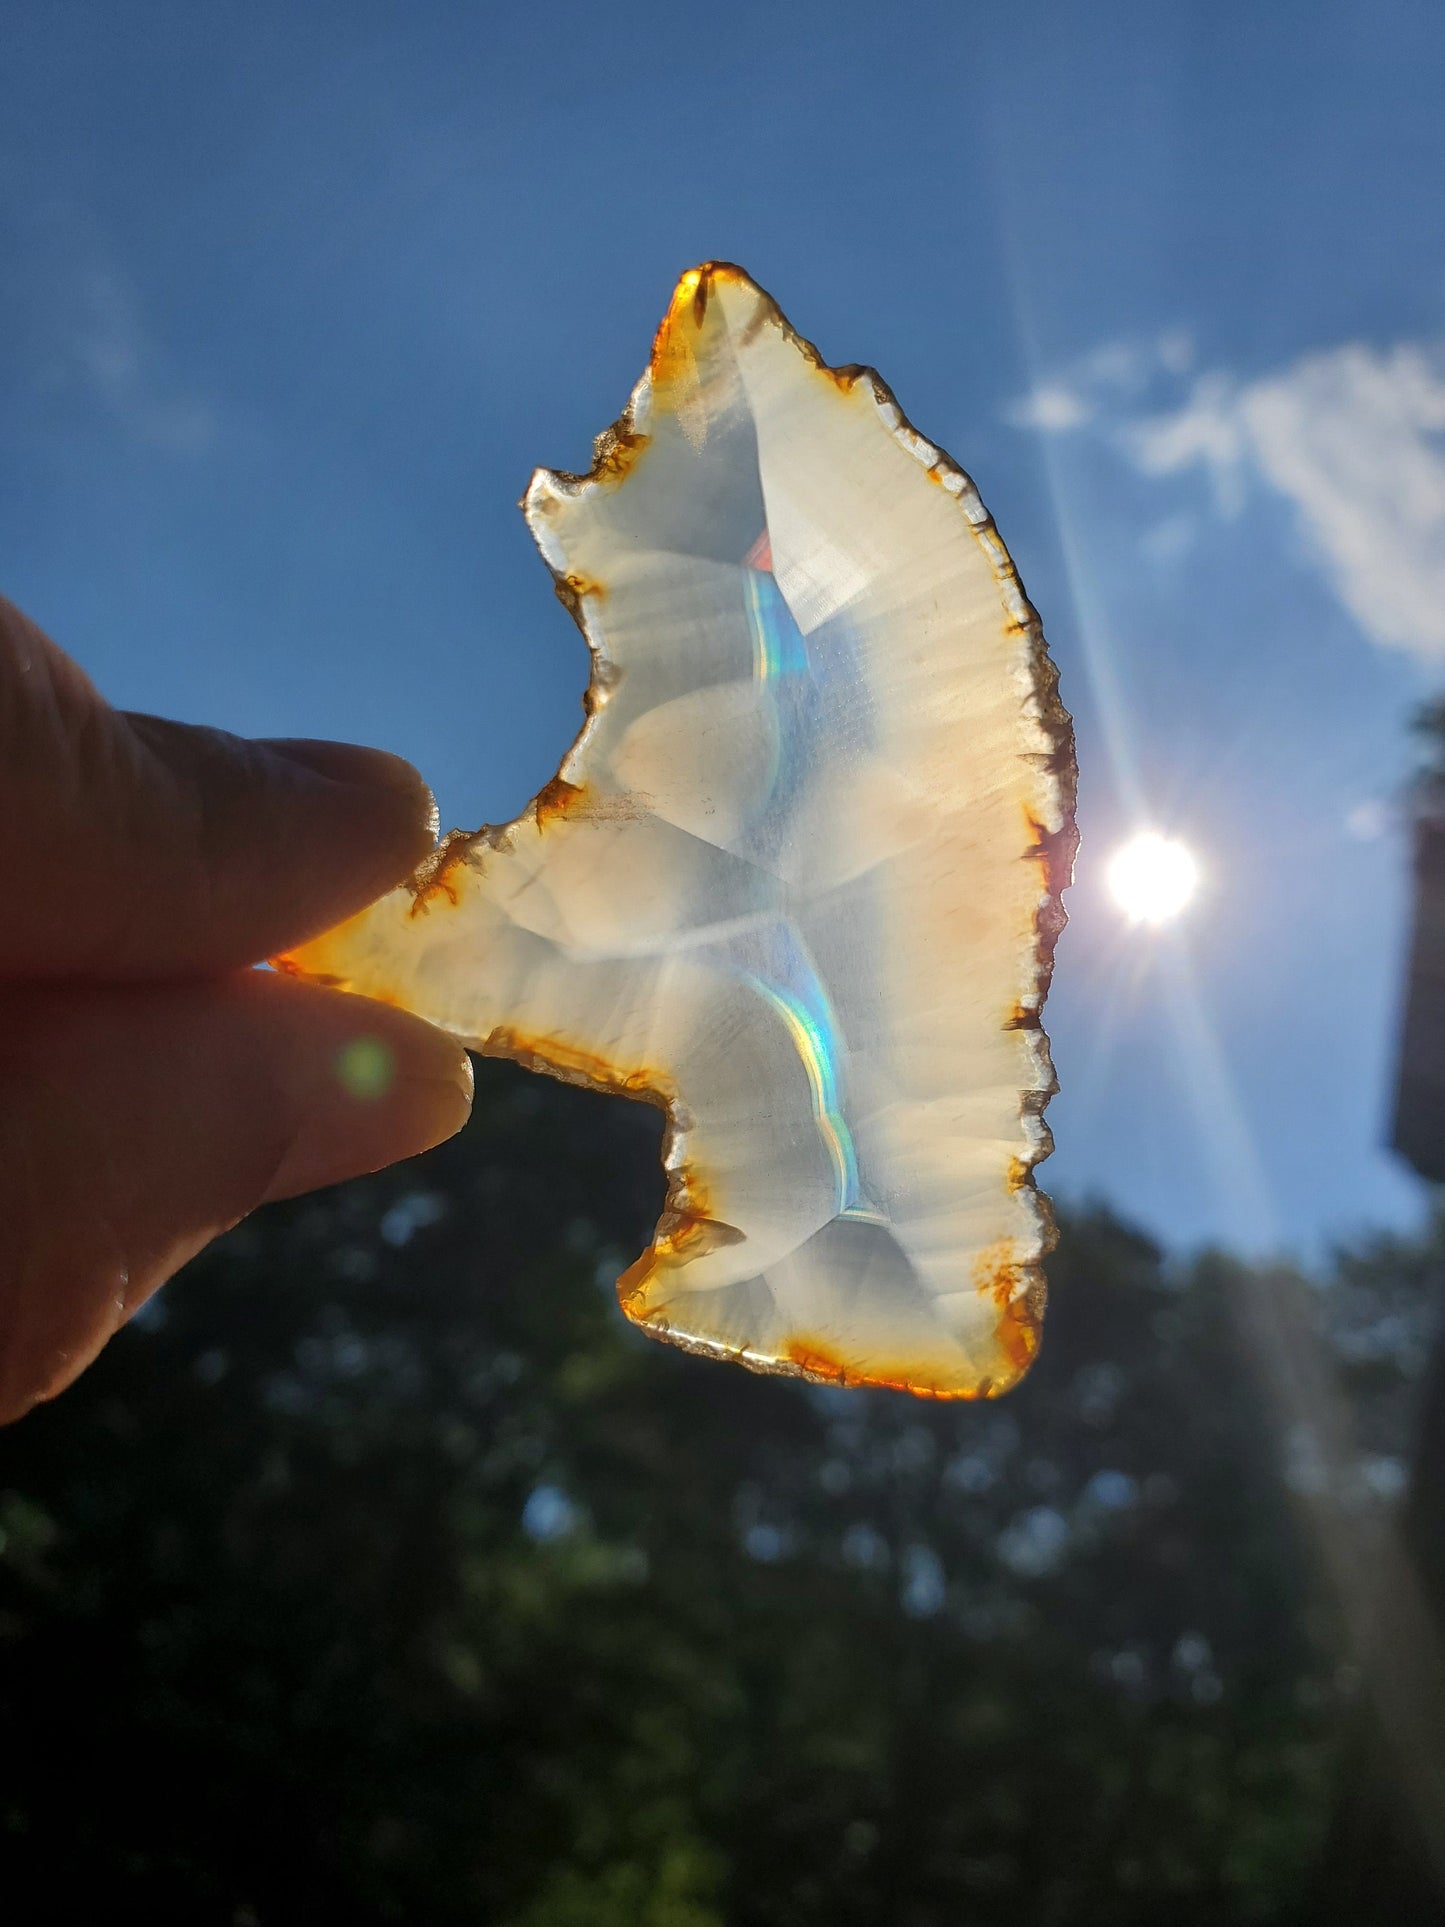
(154, 1088)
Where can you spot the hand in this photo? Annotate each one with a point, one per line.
(153, 1088)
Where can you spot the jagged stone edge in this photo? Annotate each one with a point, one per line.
(614, 451)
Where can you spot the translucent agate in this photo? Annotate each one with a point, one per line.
(798, 878)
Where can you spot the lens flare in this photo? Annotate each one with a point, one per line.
(1152, 878)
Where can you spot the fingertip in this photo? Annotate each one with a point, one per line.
(145, 848)
(374, 769)
(297, 835)
(390, 1088)
(136, 1124)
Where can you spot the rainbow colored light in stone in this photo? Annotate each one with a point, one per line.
(798, 877)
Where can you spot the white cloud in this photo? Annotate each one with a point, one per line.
(1051, 408)
(1118, 364)
(112, 354)
(1353, 437)
(77, 339)
(1169, 539)
(1176, 351)
(1125, 367)
(1207, 429)
(1112, 370)
(1367, 822)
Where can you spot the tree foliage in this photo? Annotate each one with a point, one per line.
(383, 1573)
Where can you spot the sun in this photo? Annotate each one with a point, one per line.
(1152, 878)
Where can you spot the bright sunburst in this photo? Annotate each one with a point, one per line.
(1152, 878)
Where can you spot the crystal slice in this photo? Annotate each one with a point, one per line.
(798, 878)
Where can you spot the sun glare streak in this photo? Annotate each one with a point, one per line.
(1229, 1143)
(1112, 1009)
(1090, 621)
(1226, 1139)
(1403, 1659)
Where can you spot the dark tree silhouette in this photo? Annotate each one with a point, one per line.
(384, 1573)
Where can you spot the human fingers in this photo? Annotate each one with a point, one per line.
(131, 847)
(137, 1122)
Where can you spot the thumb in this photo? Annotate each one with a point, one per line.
(136, 1123)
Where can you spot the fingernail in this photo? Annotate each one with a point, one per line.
(375, 1108)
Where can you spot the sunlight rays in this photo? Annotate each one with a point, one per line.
(1230, 1151)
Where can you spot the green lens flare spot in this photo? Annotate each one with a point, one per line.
(366, 1067)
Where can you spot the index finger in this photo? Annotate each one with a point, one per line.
(132, 847)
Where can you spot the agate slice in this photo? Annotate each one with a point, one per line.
(798, 878)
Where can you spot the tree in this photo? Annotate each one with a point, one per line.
(384, 1573)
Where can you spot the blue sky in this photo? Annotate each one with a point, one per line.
(296, 298)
